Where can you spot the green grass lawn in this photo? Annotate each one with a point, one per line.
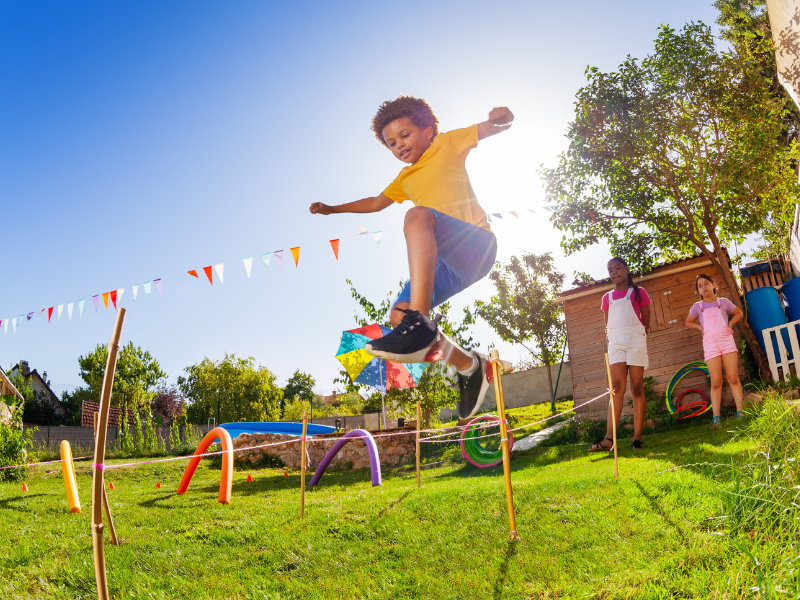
(650, 534)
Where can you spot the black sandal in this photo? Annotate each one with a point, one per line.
(598, 445)
(637, 445)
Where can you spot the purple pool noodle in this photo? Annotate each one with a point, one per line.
(372, 448)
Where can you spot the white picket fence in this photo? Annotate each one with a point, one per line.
(782, 361)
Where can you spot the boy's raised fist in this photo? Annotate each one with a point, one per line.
(318, 208)
(501, 116)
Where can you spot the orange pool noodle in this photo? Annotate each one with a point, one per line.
(226, 480)
(69, 477)
(24, 487)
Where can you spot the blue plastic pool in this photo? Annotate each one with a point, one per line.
(285, 427)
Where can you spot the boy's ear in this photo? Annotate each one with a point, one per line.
(428, 133)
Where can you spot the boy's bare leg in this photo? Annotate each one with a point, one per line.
(420, 232)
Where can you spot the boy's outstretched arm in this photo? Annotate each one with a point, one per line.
(499, 120)
(365, 205)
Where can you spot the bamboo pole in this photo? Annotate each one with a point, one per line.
(613, 416)
(419, 417)
(111, 528)
(498, 391)
(98, 484)
(303, 466)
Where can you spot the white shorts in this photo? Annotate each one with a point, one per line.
(629, 348)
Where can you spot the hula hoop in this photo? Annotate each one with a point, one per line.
(698, 365)
(700, 405)
(472, 450)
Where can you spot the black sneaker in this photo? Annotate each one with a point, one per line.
(409, 342)
(472, 390)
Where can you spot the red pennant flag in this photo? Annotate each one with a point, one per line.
(335, 246)
(105, 299)
(114, 298)
(208, 272)
(295, 254)
(49, 313)
(193, 273)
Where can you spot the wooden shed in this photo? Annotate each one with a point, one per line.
(670, 344)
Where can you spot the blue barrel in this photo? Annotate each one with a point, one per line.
(791, 294)
(764, 310)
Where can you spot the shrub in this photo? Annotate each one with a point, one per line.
(14, 442)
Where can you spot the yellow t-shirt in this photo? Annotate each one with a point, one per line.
(439, 178)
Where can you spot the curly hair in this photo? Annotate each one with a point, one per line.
(416, 109)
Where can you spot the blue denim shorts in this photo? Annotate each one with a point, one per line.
(466, 255)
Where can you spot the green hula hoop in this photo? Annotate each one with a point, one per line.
(471, 448)
(697, 365)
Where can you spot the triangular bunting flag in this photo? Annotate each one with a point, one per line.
(218, 268)
(120, 291)
(193, 273)
(69, 309)
(279, 257)
(146, 285)
(210, 274)
(377, 236)
(135, 291)
(335, 246)
(95, 299)
(511, 212)
(80, 306)
(14, 323)
(113, 295)
(296, 254)
(498, 215)
(361, 229)
(6, 326)
(531, 210)
(49, 313)
(489, 218)
(60, 310)
(552, 207)
(105, 299)
(158, 285)
(30, 316)
(248, 265)
(265, 258)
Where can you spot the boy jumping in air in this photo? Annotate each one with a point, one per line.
(450, 243)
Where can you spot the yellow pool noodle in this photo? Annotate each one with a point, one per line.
(69, 478)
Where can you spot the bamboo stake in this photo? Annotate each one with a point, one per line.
(498, 391)
(98, 484)
(419, 417)
(111, 528)
(303, 466)
(613, 416)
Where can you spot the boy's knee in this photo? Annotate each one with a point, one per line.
(419, 215)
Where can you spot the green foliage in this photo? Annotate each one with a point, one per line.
(137, 376)
(125, 437)
(174, 435)
(151, 442)
(138, 439)
(14, 442)
(232, 389)
(299, 387)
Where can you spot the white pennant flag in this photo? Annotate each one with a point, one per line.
(6, 324)
(147, 285)
(60, 308)
(14, 323)
(362, 230)
(120, 291)
(135, 289)
(218, 268)
(377, 236)
(248, 264)
(69, 309)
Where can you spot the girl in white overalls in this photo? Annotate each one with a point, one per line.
(627, 347)
(710, 317)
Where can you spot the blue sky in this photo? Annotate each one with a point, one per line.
(141, 140)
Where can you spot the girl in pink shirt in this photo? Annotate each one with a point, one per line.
(627, 317)
(718, 343)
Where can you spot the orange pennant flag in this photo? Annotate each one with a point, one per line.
(105, 299)
(335, 246)
(113, 298)
(193, 273)
(296, 254)
(208, 272)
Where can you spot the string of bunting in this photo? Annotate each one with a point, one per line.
(115, 296)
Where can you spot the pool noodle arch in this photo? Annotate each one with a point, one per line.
(372, 449)
(226, 480)
(69, 477)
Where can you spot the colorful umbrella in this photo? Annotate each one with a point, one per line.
(364, 368)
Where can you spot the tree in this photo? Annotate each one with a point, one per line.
(168, 406)
(673, 156)
(522, 310)
(232, 389)
(299, 387)
(137, 376)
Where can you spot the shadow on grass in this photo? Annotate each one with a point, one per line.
(659, 510)
(155, 502)
(502, 572)
(6, 502)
